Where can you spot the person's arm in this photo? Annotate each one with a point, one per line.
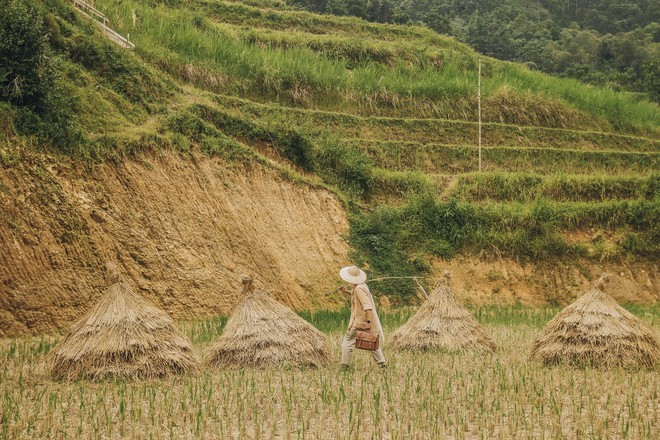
(368, 307)
(371, 321)
(345, 290)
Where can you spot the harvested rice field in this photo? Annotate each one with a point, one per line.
(428, 396)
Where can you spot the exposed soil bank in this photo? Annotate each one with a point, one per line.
(183, 231)
(506, 281)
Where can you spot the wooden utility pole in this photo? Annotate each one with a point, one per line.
(479, 101)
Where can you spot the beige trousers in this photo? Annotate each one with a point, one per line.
(348, 345)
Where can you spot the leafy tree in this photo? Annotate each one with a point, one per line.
(437, 21)
(627, 51)
(485, 33)
(357, 8)
(26, 74)
(29, 79)
(650, 81)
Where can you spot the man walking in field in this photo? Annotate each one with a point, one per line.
(363, 315)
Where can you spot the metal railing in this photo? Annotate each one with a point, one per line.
(102, 22)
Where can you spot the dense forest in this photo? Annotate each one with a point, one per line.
(605, 42)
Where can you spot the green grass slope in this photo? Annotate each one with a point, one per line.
(385, 115)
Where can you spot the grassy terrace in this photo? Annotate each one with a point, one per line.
(443, 131)
(439, 158)
(530, 203)
(525, 187)
(227, 41)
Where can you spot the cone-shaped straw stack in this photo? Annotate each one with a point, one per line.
(265, 333)
(596, 331)
(122, 337)
(442, 323)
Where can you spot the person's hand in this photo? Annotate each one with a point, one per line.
(344, 290)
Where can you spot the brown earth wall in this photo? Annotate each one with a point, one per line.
(182, 231)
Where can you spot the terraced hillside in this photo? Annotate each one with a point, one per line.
(382, 116)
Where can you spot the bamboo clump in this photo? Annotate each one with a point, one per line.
(265, 333)
(123, 337)
(596, 331)
(442, 323)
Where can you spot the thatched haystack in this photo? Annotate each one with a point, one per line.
(122, 337)
(442, 323)
(265, 333)
(596, 331)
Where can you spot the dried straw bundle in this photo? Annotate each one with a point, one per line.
(123, 337)
(442, 323)
(264, 333)
(596, 331)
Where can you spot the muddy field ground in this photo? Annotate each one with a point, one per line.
(420, 396)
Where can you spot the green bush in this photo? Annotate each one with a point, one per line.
(296, 147)
(29, 78)
(346, 166)
(376, 240)
(190, 125)
(224, 146)
(26, 74)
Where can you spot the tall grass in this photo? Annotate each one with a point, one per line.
(277, 68)
(347, 48)
(400, 240)
(447, 159)
(622, 110)
(525, 187)
(443, 131)
(238, 13)
(394, 185)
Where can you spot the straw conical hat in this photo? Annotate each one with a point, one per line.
(442, 323)
(122, 337)
(596, 331)
(263, 332)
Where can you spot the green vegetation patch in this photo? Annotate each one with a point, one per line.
(401, 240)
(438, 158)
(293, 70)
(441, 130)
(525, 187)
(345, 166)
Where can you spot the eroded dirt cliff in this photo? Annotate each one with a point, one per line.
(507, 281)
(183, 231)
